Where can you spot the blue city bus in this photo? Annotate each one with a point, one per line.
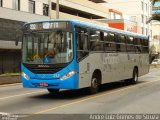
(71, 54)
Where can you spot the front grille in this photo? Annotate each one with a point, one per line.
(44, 70)
(51, 69)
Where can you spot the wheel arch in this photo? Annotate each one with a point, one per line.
(98, 74)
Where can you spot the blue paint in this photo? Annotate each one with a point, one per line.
(51, 79)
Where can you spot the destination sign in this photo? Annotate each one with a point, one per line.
(47, 25)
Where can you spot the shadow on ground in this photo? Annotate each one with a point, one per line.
(80, 93)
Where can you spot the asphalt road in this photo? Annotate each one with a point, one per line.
(113, 98)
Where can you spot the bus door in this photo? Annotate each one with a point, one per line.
(82, 41)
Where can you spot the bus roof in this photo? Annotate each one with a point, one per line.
(94, 26)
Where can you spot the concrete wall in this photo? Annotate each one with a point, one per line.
(20, 15)
(7, 4)
(85, 6)
(9, 79)
(68, 16)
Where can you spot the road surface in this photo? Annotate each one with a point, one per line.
(113, 98)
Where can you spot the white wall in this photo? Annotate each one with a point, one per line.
(7, 4)
(24, 5)
(39, 7)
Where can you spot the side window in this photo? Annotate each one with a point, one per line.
(110, 44)
(145, 48)
(82, 42)
(137, 44)
(96, 40)
(123, 43)
(110, 37)
(121, 40)
(129, 44)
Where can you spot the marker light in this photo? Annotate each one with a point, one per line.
(71, 73)
(25, 76)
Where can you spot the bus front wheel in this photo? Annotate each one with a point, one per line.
(53, 91)
(94, 85)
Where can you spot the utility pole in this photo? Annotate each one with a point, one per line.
(57, 9)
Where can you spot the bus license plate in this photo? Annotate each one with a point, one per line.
(43, 84)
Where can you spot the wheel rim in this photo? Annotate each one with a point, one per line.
(95, 83)
(136, 77)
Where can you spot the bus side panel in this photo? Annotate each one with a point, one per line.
(94, 61)
(108, 67)
(84, 72)
(144, 64)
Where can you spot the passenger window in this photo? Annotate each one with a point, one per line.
(137, 41)
(137, 44)
(121, 46)
(110, 37)
(106, 36)
(110, 47)
(110, 44)
(96, 41)
(129, 40)
(82, 42)
(129, 44)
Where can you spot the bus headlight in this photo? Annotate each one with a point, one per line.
(25, 76)
(71, 73)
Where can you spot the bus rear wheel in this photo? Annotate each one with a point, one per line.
(53, 91)
(134, 78)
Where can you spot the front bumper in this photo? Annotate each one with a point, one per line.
(70, 83)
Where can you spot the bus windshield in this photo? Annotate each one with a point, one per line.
(52, 47)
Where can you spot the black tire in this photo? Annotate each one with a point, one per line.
(94, 88)
(134, 79)
(53, 91)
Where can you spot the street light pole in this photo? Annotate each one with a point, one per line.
(57, 9)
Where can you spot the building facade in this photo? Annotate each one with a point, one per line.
(85, 10)
(155, 44)
(138, 11)
(117, 21)
(14, 13)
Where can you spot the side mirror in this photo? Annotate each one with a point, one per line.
(19, 34)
